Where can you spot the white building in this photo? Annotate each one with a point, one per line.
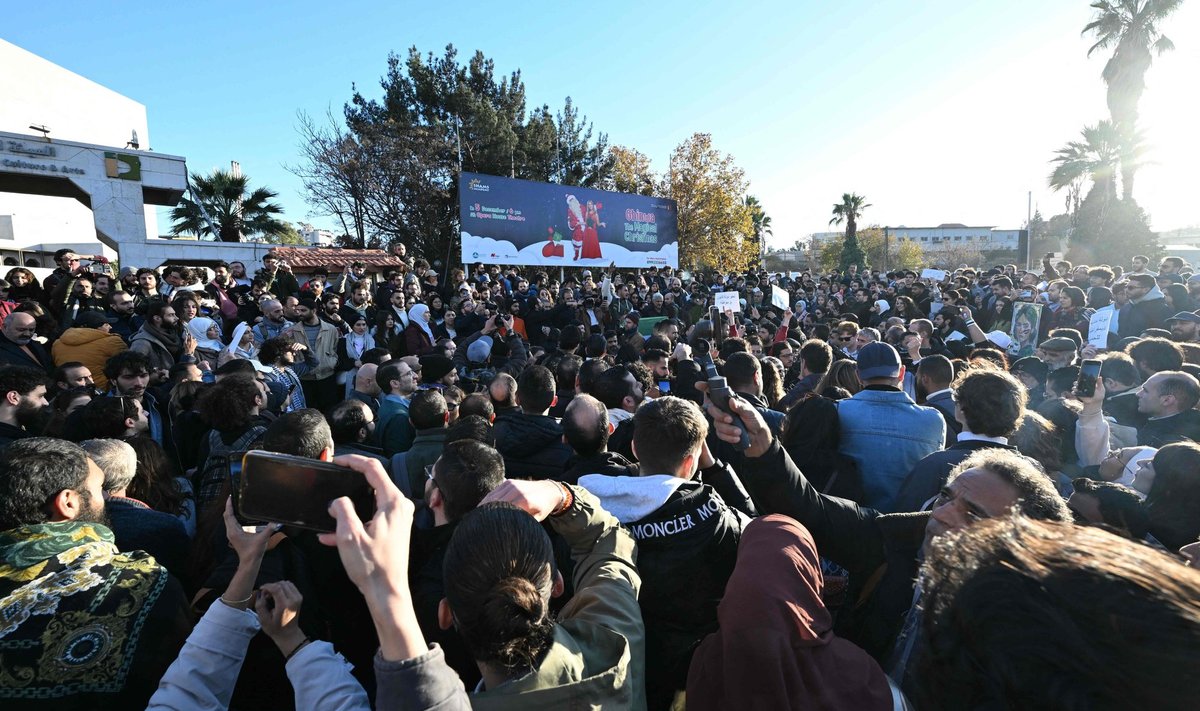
(37, 92)
(316, 237)
(943, 237)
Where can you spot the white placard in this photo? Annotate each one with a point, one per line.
(779, 298)
(727, 301)
(1098, 328)
(937, 275)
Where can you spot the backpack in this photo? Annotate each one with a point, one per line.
(217, 469)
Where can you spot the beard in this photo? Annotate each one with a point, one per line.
(29, 416)
(92, 511)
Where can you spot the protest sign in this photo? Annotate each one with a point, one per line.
(779, 298)
(727, 301)
(1098, 328)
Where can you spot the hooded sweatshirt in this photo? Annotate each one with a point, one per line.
(687, 540)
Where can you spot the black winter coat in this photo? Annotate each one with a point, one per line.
(532, 446)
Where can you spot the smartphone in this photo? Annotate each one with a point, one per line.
(235, 478)
(1089, 373)
(720, 394)
(281, 488)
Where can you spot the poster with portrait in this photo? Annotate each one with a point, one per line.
(1026, 324)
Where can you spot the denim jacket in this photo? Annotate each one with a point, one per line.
(887, 434)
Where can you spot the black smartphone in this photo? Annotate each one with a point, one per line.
(1089, 373)
(720, 394)
(235, 478)
(282, 488)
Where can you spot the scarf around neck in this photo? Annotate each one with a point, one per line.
(173, 342)
(72, 609)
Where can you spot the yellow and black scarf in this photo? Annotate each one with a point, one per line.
(71, 609)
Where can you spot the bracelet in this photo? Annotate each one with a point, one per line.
(969, 322)
(235, 603)
(300, 646)
(568, 499)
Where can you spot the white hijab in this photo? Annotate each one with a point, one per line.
(416, 315)
(199, 328)
(234, 348)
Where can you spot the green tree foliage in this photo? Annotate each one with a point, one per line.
(234, 209)
(1111, 231)
(900, 254)
(391, 173)
(715, 226)
(289, 236)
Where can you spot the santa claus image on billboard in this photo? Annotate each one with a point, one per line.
(583, 223)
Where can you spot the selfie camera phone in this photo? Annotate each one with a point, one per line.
(281, 488)
(720, 394)
(1089, 374)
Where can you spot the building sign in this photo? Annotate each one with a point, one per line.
(122, 166)
(37, 154)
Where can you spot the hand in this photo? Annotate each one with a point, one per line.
(189, 343)
(248, 542)
(756, 426)
(1089, 351)
(787, 317)
(299, 347)
(490, 326)
(537, 498)
(278, 608)
(205, 367)
(1093, 404)
(375, 553)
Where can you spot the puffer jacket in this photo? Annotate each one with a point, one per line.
(89, 346)
(532, 446)
(687, 538)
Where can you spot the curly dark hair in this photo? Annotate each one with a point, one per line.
(32, 472)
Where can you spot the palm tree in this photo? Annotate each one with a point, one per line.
(1104, 150)
(234, 211)
(1131, 28)
(848, 211)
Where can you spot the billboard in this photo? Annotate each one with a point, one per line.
(508, 221)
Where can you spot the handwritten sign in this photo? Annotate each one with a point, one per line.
(934, 274)
(1098, 328)
(727, 301)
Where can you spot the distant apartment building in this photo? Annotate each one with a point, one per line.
(314, 236)
(944, 237)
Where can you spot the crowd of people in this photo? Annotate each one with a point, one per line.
(597, 489)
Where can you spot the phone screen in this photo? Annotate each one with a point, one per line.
(1089, 373)
(296, 491)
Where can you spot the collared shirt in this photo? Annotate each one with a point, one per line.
(966, 436)
(934, 394)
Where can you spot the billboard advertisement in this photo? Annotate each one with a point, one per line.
(508, 221)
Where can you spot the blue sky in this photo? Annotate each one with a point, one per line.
(936, 111)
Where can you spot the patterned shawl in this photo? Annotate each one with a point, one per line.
(71, 609)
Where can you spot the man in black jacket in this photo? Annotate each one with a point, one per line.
(466, 472)
(529, 439)
(988, 406)
(882, 552)
(586, 429)
(686, 511)
(17, 346)
(1168, 399)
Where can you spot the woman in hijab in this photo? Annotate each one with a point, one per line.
(240, 346)
(350, 350)
(776, 648)
(208, 340)
(418, 337)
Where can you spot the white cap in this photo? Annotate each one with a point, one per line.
(1000, 338)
